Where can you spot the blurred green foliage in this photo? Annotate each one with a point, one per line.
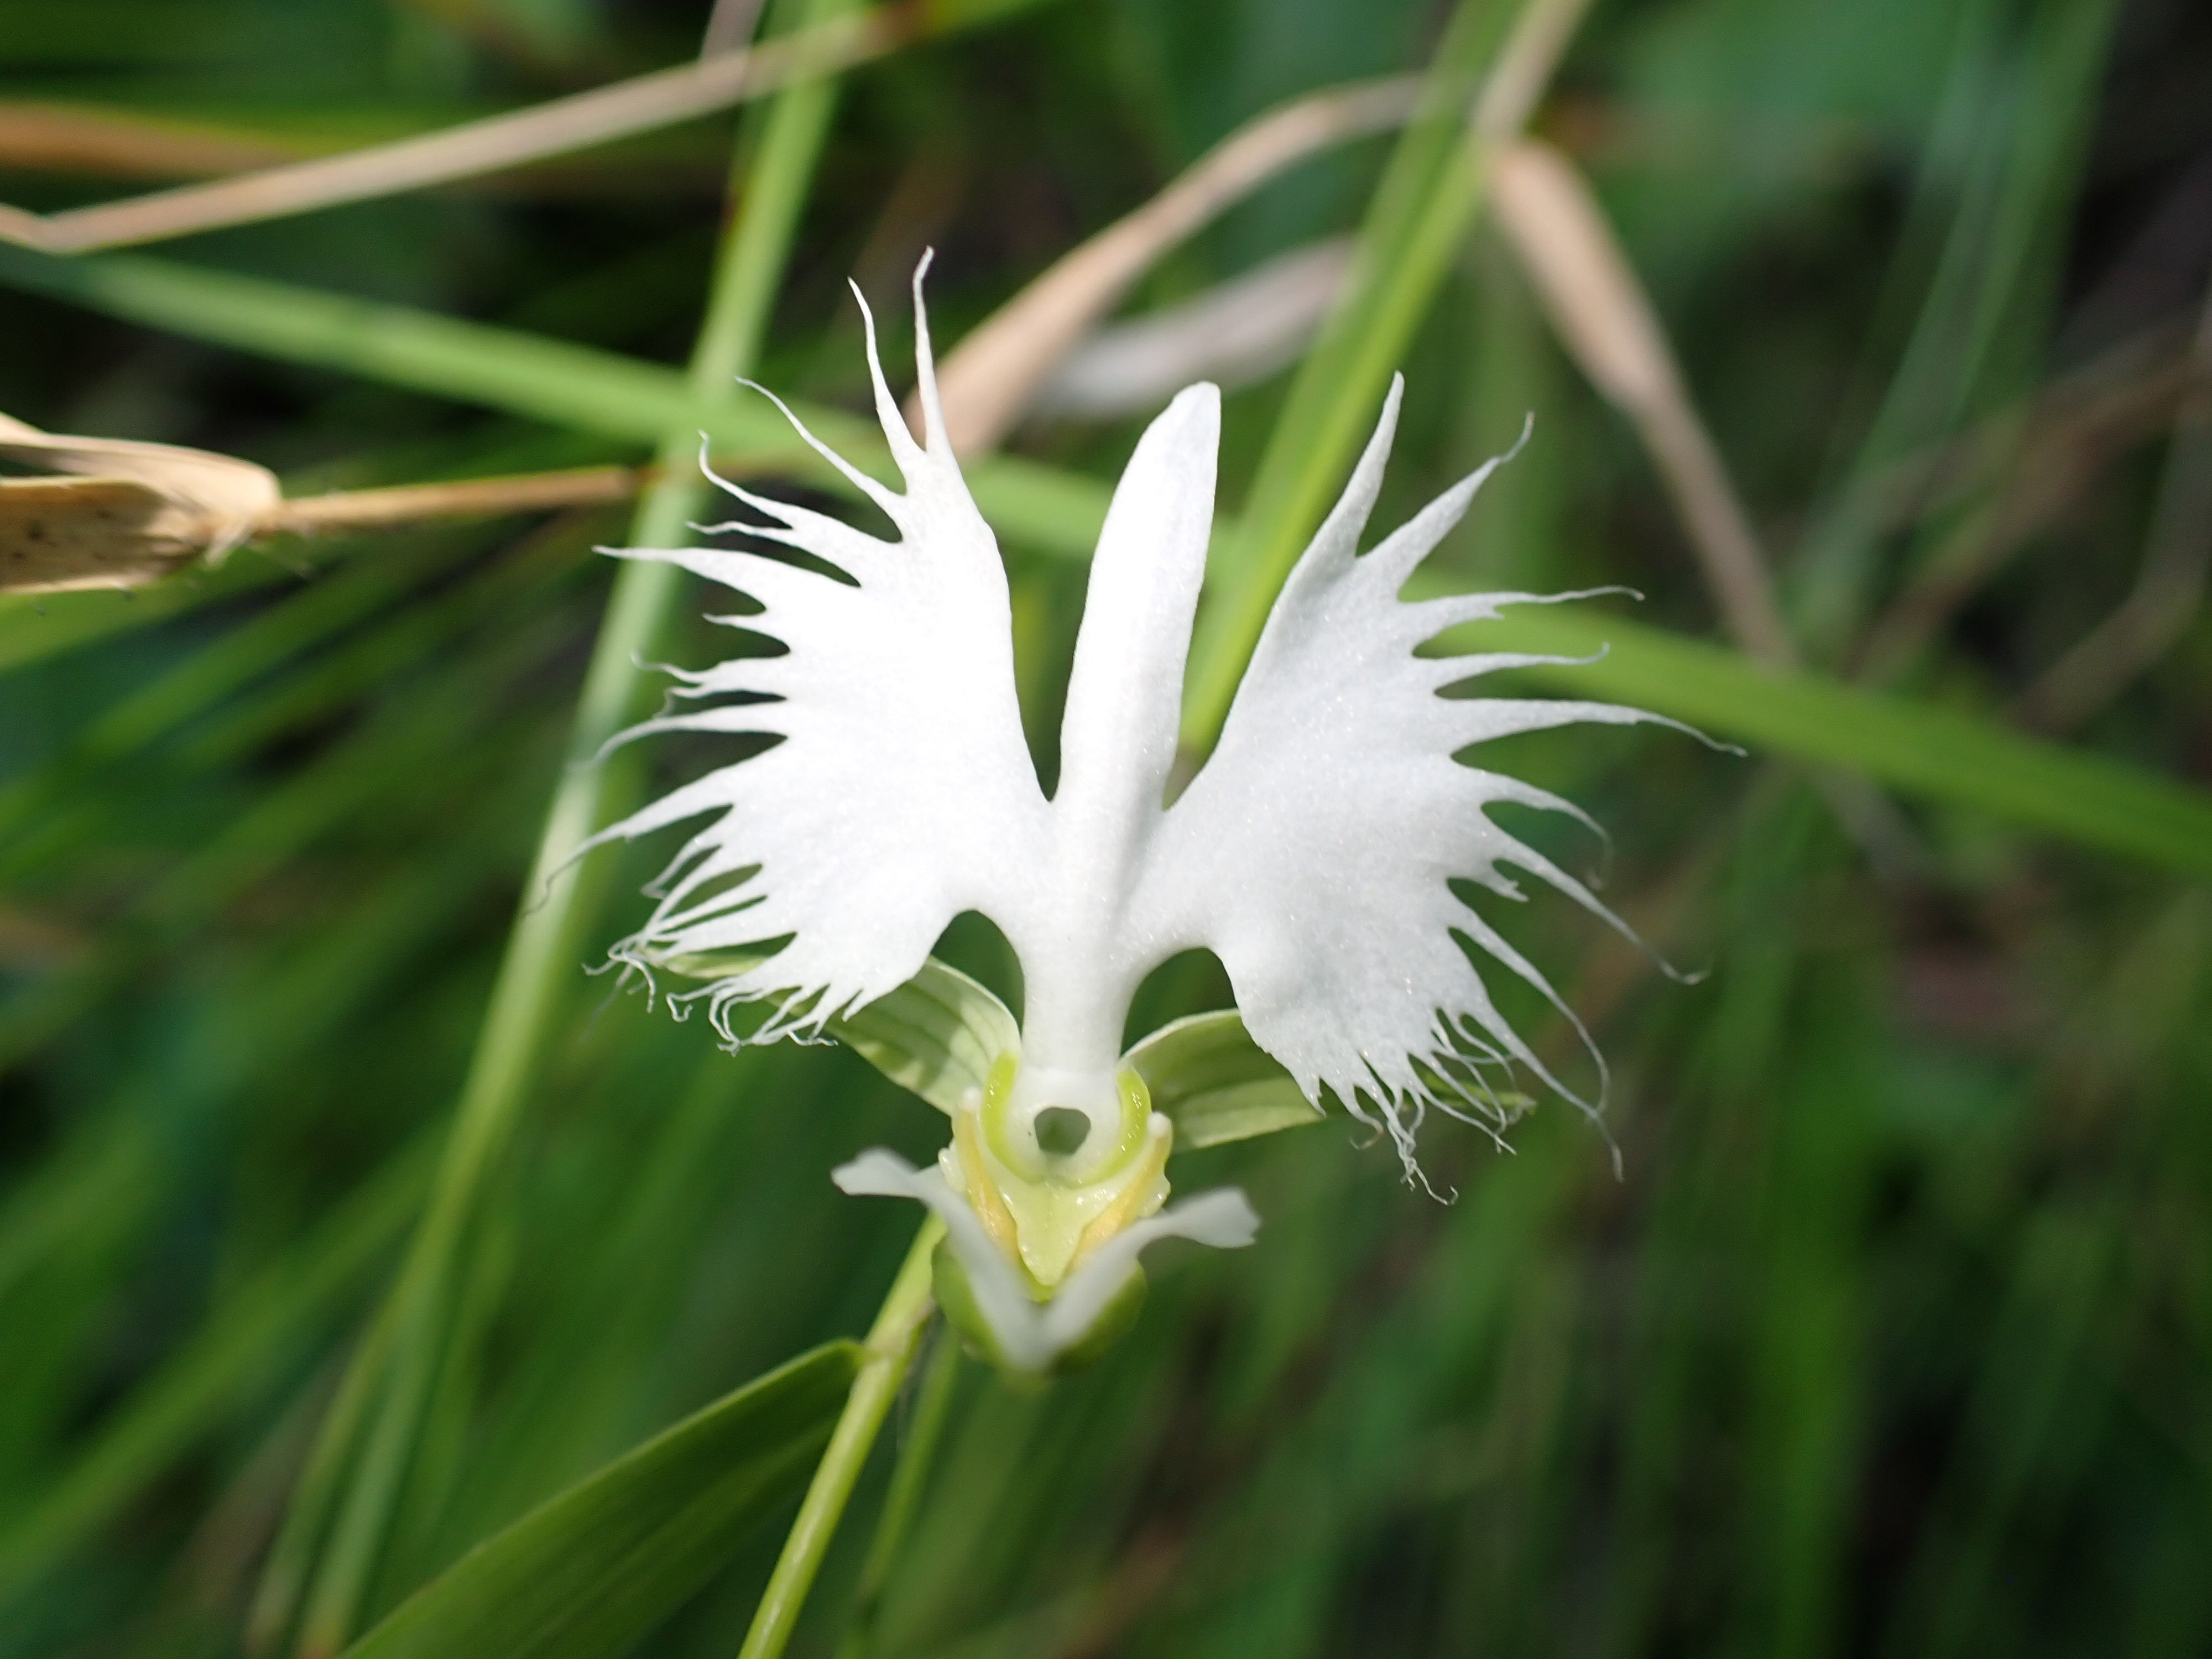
(1893, 1337)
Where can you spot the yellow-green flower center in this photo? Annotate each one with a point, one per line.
(1050, 1190)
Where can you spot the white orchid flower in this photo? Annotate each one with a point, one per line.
(1312, 854)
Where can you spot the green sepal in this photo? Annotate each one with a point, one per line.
(936, 1035)
(1215, 1084)
(957, 1299)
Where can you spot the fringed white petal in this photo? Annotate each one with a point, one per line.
(902, 792)
(1313, 851)
(1030, 1335)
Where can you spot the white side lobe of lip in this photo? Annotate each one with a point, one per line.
(1031, 1335)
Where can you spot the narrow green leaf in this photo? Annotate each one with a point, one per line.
(591, 1571)
(431, 1310)
(1215, 1084)
(1891, 739)
(1913, 746)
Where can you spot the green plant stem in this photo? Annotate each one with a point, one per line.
(1421, 214)
(932, 1409)
(540, 963)
(891, 1345)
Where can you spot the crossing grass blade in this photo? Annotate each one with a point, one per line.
(601, 392)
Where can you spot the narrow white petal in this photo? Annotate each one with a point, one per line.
(1118, 736)
(1125, 691)
(1012, 1316)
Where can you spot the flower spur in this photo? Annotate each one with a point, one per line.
(1311, 852)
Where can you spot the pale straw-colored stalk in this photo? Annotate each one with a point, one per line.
(1607, 321)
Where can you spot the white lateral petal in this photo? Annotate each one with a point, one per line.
(902, 791)
(1313, 851)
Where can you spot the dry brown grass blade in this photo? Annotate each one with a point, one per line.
(1601, 310)
(1602, 313)
(1234, 333)
(65, 138)
(1530, 56)
(620, 111)
(60, 535)
(989, 382)
(113, 531)
(729, 26)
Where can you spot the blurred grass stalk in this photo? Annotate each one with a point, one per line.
(1971, 289)
(1607, 321)
(1480, 93)
(344, 1510)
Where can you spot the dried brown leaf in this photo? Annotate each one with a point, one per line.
(113, 513)
(620, 110)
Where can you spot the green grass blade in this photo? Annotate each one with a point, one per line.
(535, 974)
(531, 987)
(1924, 750)
(219, 1371)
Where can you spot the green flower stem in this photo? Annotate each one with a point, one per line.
(540, 960)
(1422, 210)
(932, 1409)
(891, 1345)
